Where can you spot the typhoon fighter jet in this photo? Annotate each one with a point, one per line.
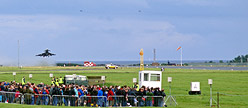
(46, 53)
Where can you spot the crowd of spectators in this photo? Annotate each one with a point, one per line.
(74, 95)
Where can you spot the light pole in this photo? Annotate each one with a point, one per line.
(18, 54)
(181, 56)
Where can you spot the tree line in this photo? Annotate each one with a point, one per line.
(240, 59)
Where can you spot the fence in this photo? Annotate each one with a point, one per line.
(227, 100)
(65, 100)
(36, 99)
(10, 97)
(93, 101)
(121, 101)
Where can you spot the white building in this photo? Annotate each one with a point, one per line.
(150, 79)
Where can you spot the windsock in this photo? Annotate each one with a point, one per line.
(179, 48)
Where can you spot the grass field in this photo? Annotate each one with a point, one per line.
(232, 85)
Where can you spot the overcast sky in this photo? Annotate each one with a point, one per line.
(78, 30)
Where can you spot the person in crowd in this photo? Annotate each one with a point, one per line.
(61, 81)
(88, 100)
(105, 94)
(36, 96)
(94, 93)
(125, 99)
(119, 96)
(132, 96)
(72, 98)
(76, 95)
(45, 97)
(66, 93)
(17, 96)
(100, 98)
(136, 85)
(57, 82)
(23, 80)
(2, 86)
(141, 93)
(55, 92)
(54, 78)
(27, 98)
(52, 82)
(80, 94)
(60, 98)
(164, 95)
(110, 96)
(149, 95)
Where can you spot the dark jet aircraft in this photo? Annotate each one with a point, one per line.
(46, 53)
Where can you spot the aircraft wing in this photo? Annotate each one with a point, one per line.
(39, 55)
(51, 54)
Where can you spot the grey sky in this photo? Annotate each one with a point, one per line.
(118, 29)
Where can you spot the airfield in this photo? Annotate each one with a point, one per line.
(231, 84)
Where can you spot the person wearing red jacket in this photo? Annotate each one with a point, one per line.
(37, 96)
(110, 97)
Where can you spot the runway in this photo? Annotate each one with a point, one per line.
(206, 68)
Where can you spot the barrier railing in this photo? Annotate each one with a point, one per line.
(37, 99)
(138, 101)
(10, 97)
(87, 101)
(116, 101)
(66, 100)
(93, 101)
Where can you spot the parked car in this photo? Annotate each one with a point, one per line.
(111, 66)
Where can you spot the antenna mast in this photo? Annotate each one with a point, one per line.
(18, 54)
(154, 57)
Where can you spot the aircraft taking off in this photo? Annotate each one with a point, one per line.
(46, 53)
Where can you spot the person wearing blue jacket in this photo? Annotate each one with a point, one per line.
(76, 91)
(105, 93)
(81, 95)
(100, 99)
(80, 91)
(76, 95)
(45, 96)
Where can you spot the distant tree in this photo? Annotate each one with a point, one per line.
(69, 64)
(186, 64)
(240, 58)
(221, 61)
(163, 64)
(210, 62)
(237, 59)
(246, 58)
